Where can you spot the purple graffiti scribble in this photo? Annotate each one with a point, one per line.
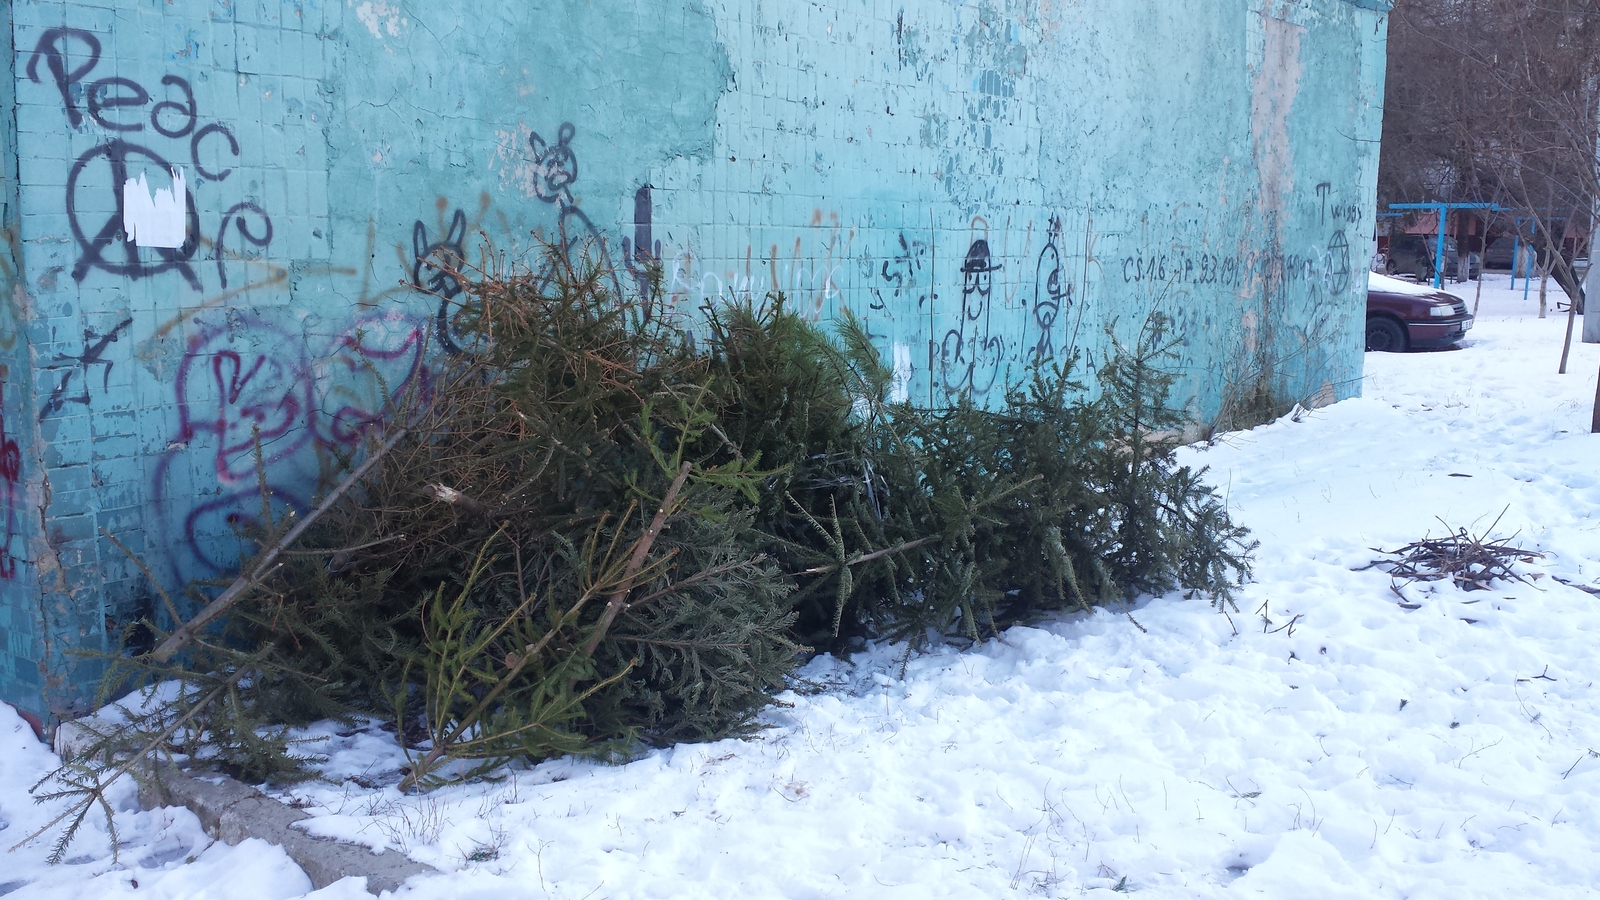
(354, 405)
(254, 378)
(10, 485)
(228, 388)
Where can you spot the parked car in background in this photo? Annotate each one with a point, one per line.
(1497, 256)
(1412, 254)
(1409, 254)
(1403, 315)
(1452, 261)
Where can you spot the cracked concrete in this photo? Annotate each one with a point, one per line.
(231, 812)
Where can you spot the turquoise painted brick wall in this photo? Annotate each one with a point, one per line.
(21, 639)
(983, 183)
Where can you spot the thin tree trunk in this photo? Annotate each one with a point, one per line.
(1483, 252)
(1594, 419)
(1566, 346)
(1544, 280)
(641, 551)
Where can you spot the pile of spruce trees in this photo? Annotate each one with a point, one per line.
(594, 529)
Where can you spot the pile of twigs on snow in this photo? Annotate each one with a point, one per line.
(1470, 561)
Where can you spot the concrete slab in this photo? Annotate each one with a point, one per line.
(232, 811)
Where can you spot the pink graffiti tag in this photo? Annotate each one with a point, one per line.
(307, 399)
(353, 401)
(236, 394)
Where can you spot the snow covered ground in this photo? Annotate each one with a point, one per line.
(1370, 751)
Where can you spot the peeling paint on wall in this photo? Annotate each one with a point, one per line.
(1272, 96)
(380, 18)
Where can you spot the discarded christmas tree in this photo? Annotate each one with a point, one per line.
(586, 531)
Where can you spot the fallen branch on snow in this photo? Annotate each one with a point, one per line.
(1470, 561)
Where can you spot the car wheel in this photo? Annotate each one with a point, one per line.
(1389, 268)
(1385, 335)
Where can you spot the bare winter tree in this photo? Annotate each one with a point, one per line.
(1497, 100)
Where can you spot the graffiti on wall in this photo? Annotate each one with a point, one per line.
(1322, 270)
(895, 292)
(437, 258)
(248, 383)
(155, 129)
(309, 399)
(77, 367)
(555, 170)
(904, 283)
(641, 256)
(436, 269)
(238, 381)
(810, 275)
(1349, 211)
(253, 228)
(809, 283)
(1052, 301)
(10, 493)
(972, 352)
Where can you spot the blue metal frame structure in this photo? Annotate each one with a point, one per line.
(1444, 210)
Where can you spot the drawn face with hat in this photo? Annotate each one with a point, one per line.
(975, 279)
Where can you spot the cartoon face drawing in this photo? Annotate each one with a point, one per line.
(557, 165)
(971, 353)
(1049, 295)
(1048, 306)
(435, 265)
(555, 168)
(436, 268)
(976, 279)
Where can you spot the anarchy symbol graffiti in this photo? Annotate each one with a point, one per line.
(105, 168)
(1338, 263)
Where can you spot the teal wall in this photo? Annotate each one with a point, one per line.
(21, 639)
(980, 182)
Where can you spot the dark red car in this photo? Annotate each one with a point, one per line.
(1404, 315)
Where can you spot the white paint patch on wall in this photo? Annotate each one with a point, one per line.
(160, 219)
(900, 386)
(1272, 95)
(510, 158)
(380, 18)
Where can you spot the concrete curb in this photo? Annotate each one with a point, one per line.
(232, 811)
